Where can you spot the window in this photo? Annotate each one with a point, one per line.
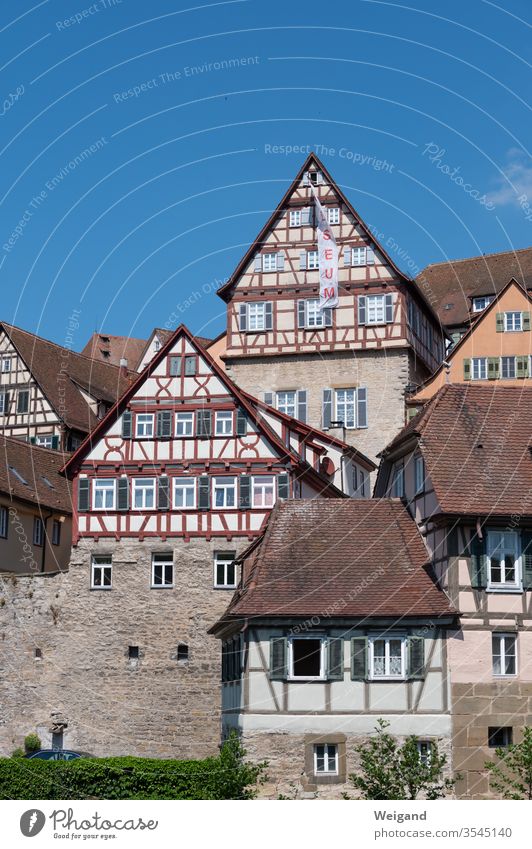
(286, 403)
(499, 738)
(133, 652)
(184, 493)
(224, 570)
(6, 364)
(387, 657)
(144, 425)
(507, 367)
(313, 260)
(345, 407)
(256, 316)
(263, 491)
(143, 493)
(424, 748)
(398, 482)
(376, 309)
(224, 492)
(326, 759)
(184, 424)
(162, 570)
(295, 218)
(224, 423)
(38, 531)
(156, 345)
(102, 572)
(513, 321)
(45, 440)
(358, 256)
(3, 522)
(503, 560)
(56, 532)
(314, 317)
(269, 262)
(306, 657)
(4, 402)
(333, 215)
(182, 652)
(314, 177)
(190, 365)
(419, 473)
(479, 368)
(103, 494)
(480, 304)
(504, 654)
(23, 400)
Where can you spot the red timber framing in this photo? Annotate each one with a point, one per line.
(183, 423)
(414, 323)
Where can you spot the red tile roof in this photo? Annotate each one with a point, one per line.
(112, 349)
(343, 558)
(32, 474)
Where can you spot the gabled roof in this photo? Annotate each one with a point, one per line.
(112, 349)
(31, 474)
(59, 371)
(452, 284)
(352, 558)
(476, 442)
(163, 334)
(311, 160)
(326, 487)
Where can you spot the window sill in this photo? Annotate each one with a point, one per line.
(388, 678)
(101, 589)
(162, 587)
(294, 680)
(232, 587)
(504, 589)
(505, 677)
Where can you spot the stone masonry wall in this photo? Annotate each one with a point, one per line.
(156, 706)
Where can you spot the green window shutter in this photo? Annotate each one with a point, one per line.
(467, 369)
(122, 500)
(204, 493)
(268, 315)
(164, 423)
(526, 559)
(55, 443)
(203, 423)
(278, 658)
(359, 658)
(83, 495)
(283, 486)
(302, 405)
(241, 423)
(326, 408)
(526, 321)
(521, 366)
(479, 563)
(499, 322)
(127, 424)
(415, 658)
(163, 494)
(245, 492)
(33, 440)
(493, 368)
(335, 659)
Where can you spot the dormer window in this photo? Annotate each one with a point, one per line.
(480, 304)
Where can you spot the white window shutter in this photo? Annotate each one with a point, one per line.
(361, 309)
(306, 215)
(388, 300)
(302, 260)
(280, 261)
(301, 318)
(268, 399)
(370, 256)
(347, 256)
(258, 262)
(243, 316)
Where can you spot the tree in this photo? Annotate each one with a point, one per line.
(389, 770)
(511, 775)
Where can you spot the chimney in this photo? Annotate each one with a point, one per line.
(123, 367)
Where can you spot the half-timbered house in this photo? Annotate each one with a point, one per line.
(347, 368)
(463, 466)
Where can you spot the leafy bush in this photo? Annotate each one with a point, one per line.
(511, 775)
(226, 776)
(32, 743)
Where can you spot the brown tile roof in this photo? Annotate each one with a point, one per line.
(451, 284)
(112, 349)
(476, 441)
(60, 371)
(343, 558)
(32, 474)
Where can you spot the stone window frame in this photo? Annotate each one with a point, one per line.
(338, 740)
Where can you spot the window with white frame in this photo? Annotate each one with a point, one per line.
(162, 570)
(479, 368)
(256, 316)
(38, 531)
(223, 423)
(419, 474)
(144, 425)
(513, 321)
(398, 482)
(225, 577)
(184, 424)
(503, 560)
(358, 256)
(286, 403)
(6, 364)
(23, 400)
(314, 317)
(508, 369)
(143, 493)
(103, 494)
(326, 759)
(333, 215)
(306, 657)
(387, 657)
(263, 491)
(295, 218)
(376, 309)
(101, 572)
(224, 492)
(269, 262)
(3, 522)
(3, 403)
(504, 654)
(480, 304)
(184, 493)
(345, 408)
(313, 260)
(45, 440)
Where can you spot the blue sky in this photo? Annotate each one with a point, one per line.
(138, 143)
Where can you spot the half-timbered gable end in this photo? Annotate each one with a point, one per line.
(382, 334)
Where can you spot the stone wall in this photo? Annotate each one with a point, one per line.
(155, 706)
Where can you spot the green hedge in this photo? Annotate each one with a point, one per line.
(224, 777)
